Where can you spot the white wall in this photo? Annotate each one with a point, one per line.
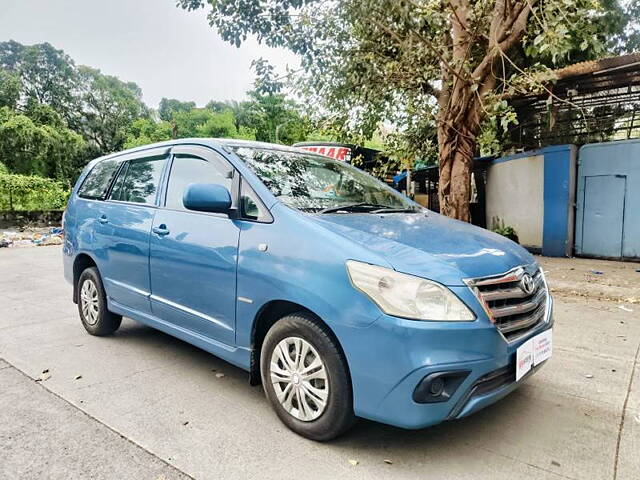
(515, 195)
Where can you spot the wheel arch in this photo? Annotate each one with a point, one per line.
(80, 264)
(266, 317)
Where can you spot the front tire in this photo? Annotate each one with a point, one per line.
(306, 379)
(92, 305)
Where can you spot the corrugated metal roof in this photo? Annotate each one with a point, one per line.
(598, 66)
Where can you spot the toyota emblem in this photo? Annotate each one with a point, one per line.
(527, 284)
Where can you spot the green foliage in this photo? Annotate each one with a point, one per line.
(99, 107)
(628, 40)
(219, 125)
(500, 228)
(370, 62)
(169, 106)
(494, 128)
(24, 192)
(47, 75)
(55, 116)
(259, 118)
(10, 87)
(145, 131)
(109, 106)
(197, 122)
(39, 146)
(274, 118)
(188, 124)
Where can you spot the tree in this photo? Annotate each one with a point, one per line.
(47, 75)
(624, 19)
(219, 125)
(100, 107)
(108, 107)
(452, 61)
(169, 106)
(10, 87)
(269, 113)
(144, 131)
(197, 122)
(27, 192)
(239, 110)
(41, 145)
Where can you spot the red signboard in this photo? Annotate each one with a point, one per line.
(342, 154)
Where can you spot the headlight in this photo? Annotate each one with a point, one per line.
(407, 296)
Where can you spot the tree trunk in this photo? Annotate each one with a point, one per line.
(457, 140)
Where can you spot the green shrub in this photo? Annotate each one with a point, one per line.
(30, 192)
(505, 230)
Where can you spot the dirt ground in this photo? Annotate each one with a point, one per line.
(596, 279)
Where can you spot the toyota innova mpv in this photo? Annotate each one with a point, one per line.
(343, 297)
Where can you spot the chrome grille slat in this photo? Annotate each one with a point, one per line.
(525, 307)
(525, 322)
(507, 293)
(514, 309)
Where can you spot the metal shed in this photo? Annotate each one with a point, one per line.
(608, 200)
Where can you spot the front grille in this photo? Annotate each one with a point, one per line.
(511, 306)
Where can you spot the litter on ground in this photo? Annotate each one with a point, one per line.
(31, 237)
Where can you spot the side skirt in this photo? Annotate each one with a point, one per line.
(238, 356)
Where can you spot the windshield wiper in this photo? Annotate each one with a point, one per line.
(396, 210)
(353, 206)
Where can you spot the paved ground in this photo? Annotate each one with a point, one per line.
(143, 405)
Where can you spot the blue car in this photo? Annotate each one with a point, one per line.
(342, 297)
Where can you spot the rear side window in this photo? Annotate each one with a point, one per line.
(138, 181)
(97, 183)
(187, 170)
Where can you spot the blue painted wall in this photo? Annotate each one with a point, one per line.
(559, 174)
(620, 160)
(559, 199)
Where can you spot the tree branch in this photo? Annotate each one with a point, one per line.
(426, 42)
(496, 20)
(513, 29)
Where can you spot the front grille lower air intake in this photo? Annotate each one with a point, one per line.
(515, 301)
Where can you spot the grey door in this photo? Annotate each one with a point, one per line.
(603, 215)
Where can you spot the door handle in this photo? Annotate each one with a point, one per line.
(103, 219)
(161, 230)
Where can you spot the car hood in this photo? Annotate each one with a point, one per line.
(430, 245)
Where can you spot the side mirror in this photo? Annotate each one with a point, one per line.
(207, 197)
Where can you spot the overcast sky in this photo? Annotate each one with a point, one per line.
(168, 52)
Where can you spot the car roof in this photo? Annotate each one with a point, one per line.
(208, 142)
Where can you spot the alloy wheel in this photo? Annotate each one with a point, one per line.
(89, 302)
(299, 378)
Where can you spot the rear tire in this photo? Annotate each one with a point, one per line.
(306, 378)
(92, 305)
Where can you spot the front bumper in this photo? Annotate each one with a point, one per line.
(392, 356)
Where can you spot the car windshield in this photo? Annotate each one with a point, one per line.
(318, 184)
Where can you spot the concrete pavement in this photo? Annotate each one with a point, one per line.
(579, 418)
(43, 436)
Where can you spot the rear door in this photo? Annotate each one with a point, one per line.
(603, 215)
(194, 254)
(123, 227)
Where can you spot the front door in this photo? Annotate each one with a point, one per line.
(603, 215)
(194, 254)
